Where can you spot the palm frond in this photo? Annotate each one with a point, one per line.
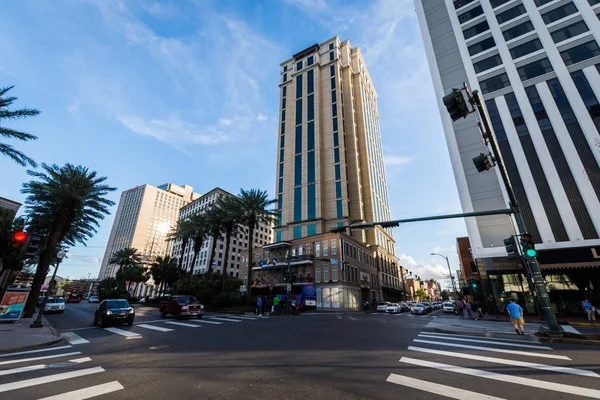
(17, 156)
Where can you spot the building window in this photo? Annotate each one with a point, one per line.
(310, 60)
(476, 30)
(310, 140)
(559, 13)
(284, 78)
(334, 247)
(569, 31)
(518, 30)
(336, 155)
(488, 63)
(280, 186)
(298, 139)
(282, 140)
(494, 83)
(459, 3)
(278, 236)
(331, 56)
(593, 3)
(335, 124)
(509, 14)
(311, 108)
(312, 212)
(317, 249)
(298, 204)
(284, 91)
(338, 190)
(536, 68)
(526, 48)
(298, 170)
(332, 83)
(311, 167)
(478, 47)
(469, 15)
(310, 85)
(338, 174)
(325, 248)
(336, 140)
(281, 153)
(333, 96)
(498, 3)
(317, 273)
(280, 170)
(339, 210)
(298, 65)
(311, 229)
(330, 46)
(299, 86)
(580, 53)
(540, 3)
(300, 248)
(325, 272)
(334, 273)
(298, 111)
(332, 70)
(282, 115)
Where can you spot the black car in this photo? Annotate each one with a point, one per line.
(114, 311)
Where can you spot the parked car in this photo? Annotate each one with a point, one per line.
(438, 305)
(419, 309)
(382, 307)
(404, 307)
(181, 306)
(75, 298)
(55, 304)
(410, 304)
(393, 308)
(428, 306)
(449, 307)
(93, 299)
(114, 311)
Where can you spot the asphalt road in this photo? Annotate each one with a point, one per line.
(318, 356)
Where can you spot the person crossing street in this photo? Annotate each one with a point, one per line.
(590, 310)
(516, 316)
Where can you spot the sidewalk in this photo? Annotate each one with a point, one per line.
(18, 335)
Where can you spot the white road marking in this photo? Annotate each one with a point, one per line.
(522, 353)
(226, 319)
(155, 328)
(39, 358)
(353, 319)
(442, 335)
(570, 329)
(566, 370)
(511, 379)
(38, 367)
(89, 392)
(49, 378)
(338, 317)
(35, 351)
(442, 390)
(248, 318)
(74, 338)
(527, 346)
(122, 332)
(149, 322)
(203, 321)
(183, 324)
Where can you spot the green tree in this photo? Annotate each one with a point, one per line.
(420, 294)
(231, 216)
(6, 114)
(131, 274)
(214, 219)
(164, 272)
(197, 228)
(126, 257)
(183, 232)
(63, 205)
(254, 208)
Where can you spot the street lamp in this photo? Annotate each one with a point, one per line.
(38, 321)
(449, 270)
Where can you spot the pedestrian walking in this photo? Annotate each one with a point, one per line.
(478, 308)
(468, 308)
(275, 307)
(460, 308)
(516, 316)
(259, 305)
(590, 310)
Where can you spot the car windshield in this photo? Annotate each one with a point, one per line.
(187, 299)
(394, 305)
(448, 304)
(59, 300)
(117, 304)
(421, 305)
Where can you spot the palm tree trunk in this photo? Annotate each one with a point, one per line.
(250, 262)
(226, 260)
(180, 260)
(40, 273)
(213, 250)
(197, 247)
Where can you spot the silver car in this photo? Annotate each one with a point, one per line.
(382, 307)
(393, 308)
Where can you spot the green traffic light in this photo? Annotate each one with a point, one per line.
(474, 285)
(531, 253)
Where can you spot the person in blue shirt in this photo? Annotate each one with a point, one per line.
(589, 310)
(516, 316)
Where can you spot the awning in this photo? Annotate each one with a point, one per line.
(579, 265)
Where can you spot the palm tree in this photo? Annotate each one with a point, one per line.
(197, 229)
(63, 205)
(7, 114)
(181, 232)
(254, 208)
(214, 219)
(131, 274)
(230, 210)
(164, 271)
(125, 257)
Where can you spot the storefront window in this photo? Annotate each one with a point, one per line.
(508, 286)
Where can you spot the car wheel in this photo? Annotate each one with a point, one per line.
(130, 322)
(199, 316)
(61, 312)
(177, 315)
(103, 322)
(163, 313)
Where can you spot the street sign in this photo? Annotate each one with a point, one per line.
(243, 288)
(289, 287)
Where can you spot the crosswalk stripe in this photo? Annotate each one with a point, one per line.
(122, 332)
(443, 390)
(48, 378)
(248, 318)
(35, 351)
(338, 317)
(183, 324)
(353, 319)
(39, 358)
(553, 368)
(476, 337)
(522, 353)
(226, 319)
(203, 321)
(89, 392)
(512, 379)
(74, 338)
(527, 346)
(38, 367)
(155, 328)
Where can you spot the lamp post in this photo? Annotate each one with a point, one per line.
(38, 321)
(449, 270)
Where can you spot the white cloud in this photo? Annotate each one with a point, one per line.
(176, 131)
(422, 269)
(262, 117)
(393, 160)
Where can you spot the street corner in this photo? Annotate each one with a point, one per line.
(19, 335)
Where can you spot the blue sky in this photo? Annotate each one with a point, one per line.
(187, 92)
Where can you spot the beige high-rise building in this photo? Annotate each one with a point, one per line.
(145, 215)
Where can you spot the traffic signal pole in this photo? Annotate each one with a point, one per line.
(534, 266)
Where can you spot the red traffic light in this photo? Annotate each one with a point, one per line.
(19, 237)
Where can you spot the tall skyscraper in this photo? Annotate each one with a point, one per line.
(145, 215)
(536, 64)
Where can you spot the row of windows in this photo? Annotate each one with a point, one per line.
(511, 13)
(559, 13)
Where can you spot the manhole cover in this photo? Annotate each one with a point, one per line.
(62, 365)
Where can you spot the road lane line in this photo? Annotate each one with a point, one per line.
(527, 346)
(492, 349)
(74, 338)
(248, 318)
(338, 317)
(203, 321)
(476, 337)
(544, 367)
(35, 351)
(149, 322)
(49, 378)
(121, 332)
(183, 324)
(155, 328)
(353, 319)
(442, 390)
(39, 358)
(88, 393)
(226, 319)
(511, 379)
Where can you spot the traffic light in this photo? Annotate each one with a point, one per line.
(18, 244)
(511, 248)
(528, 246)
(456, 105)
(474, 283)
(482, 162)
(33, 247)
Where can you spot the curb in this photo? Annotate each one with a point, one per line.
(461, 333)
(569, 341)
(585, 324)
(58, 338)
